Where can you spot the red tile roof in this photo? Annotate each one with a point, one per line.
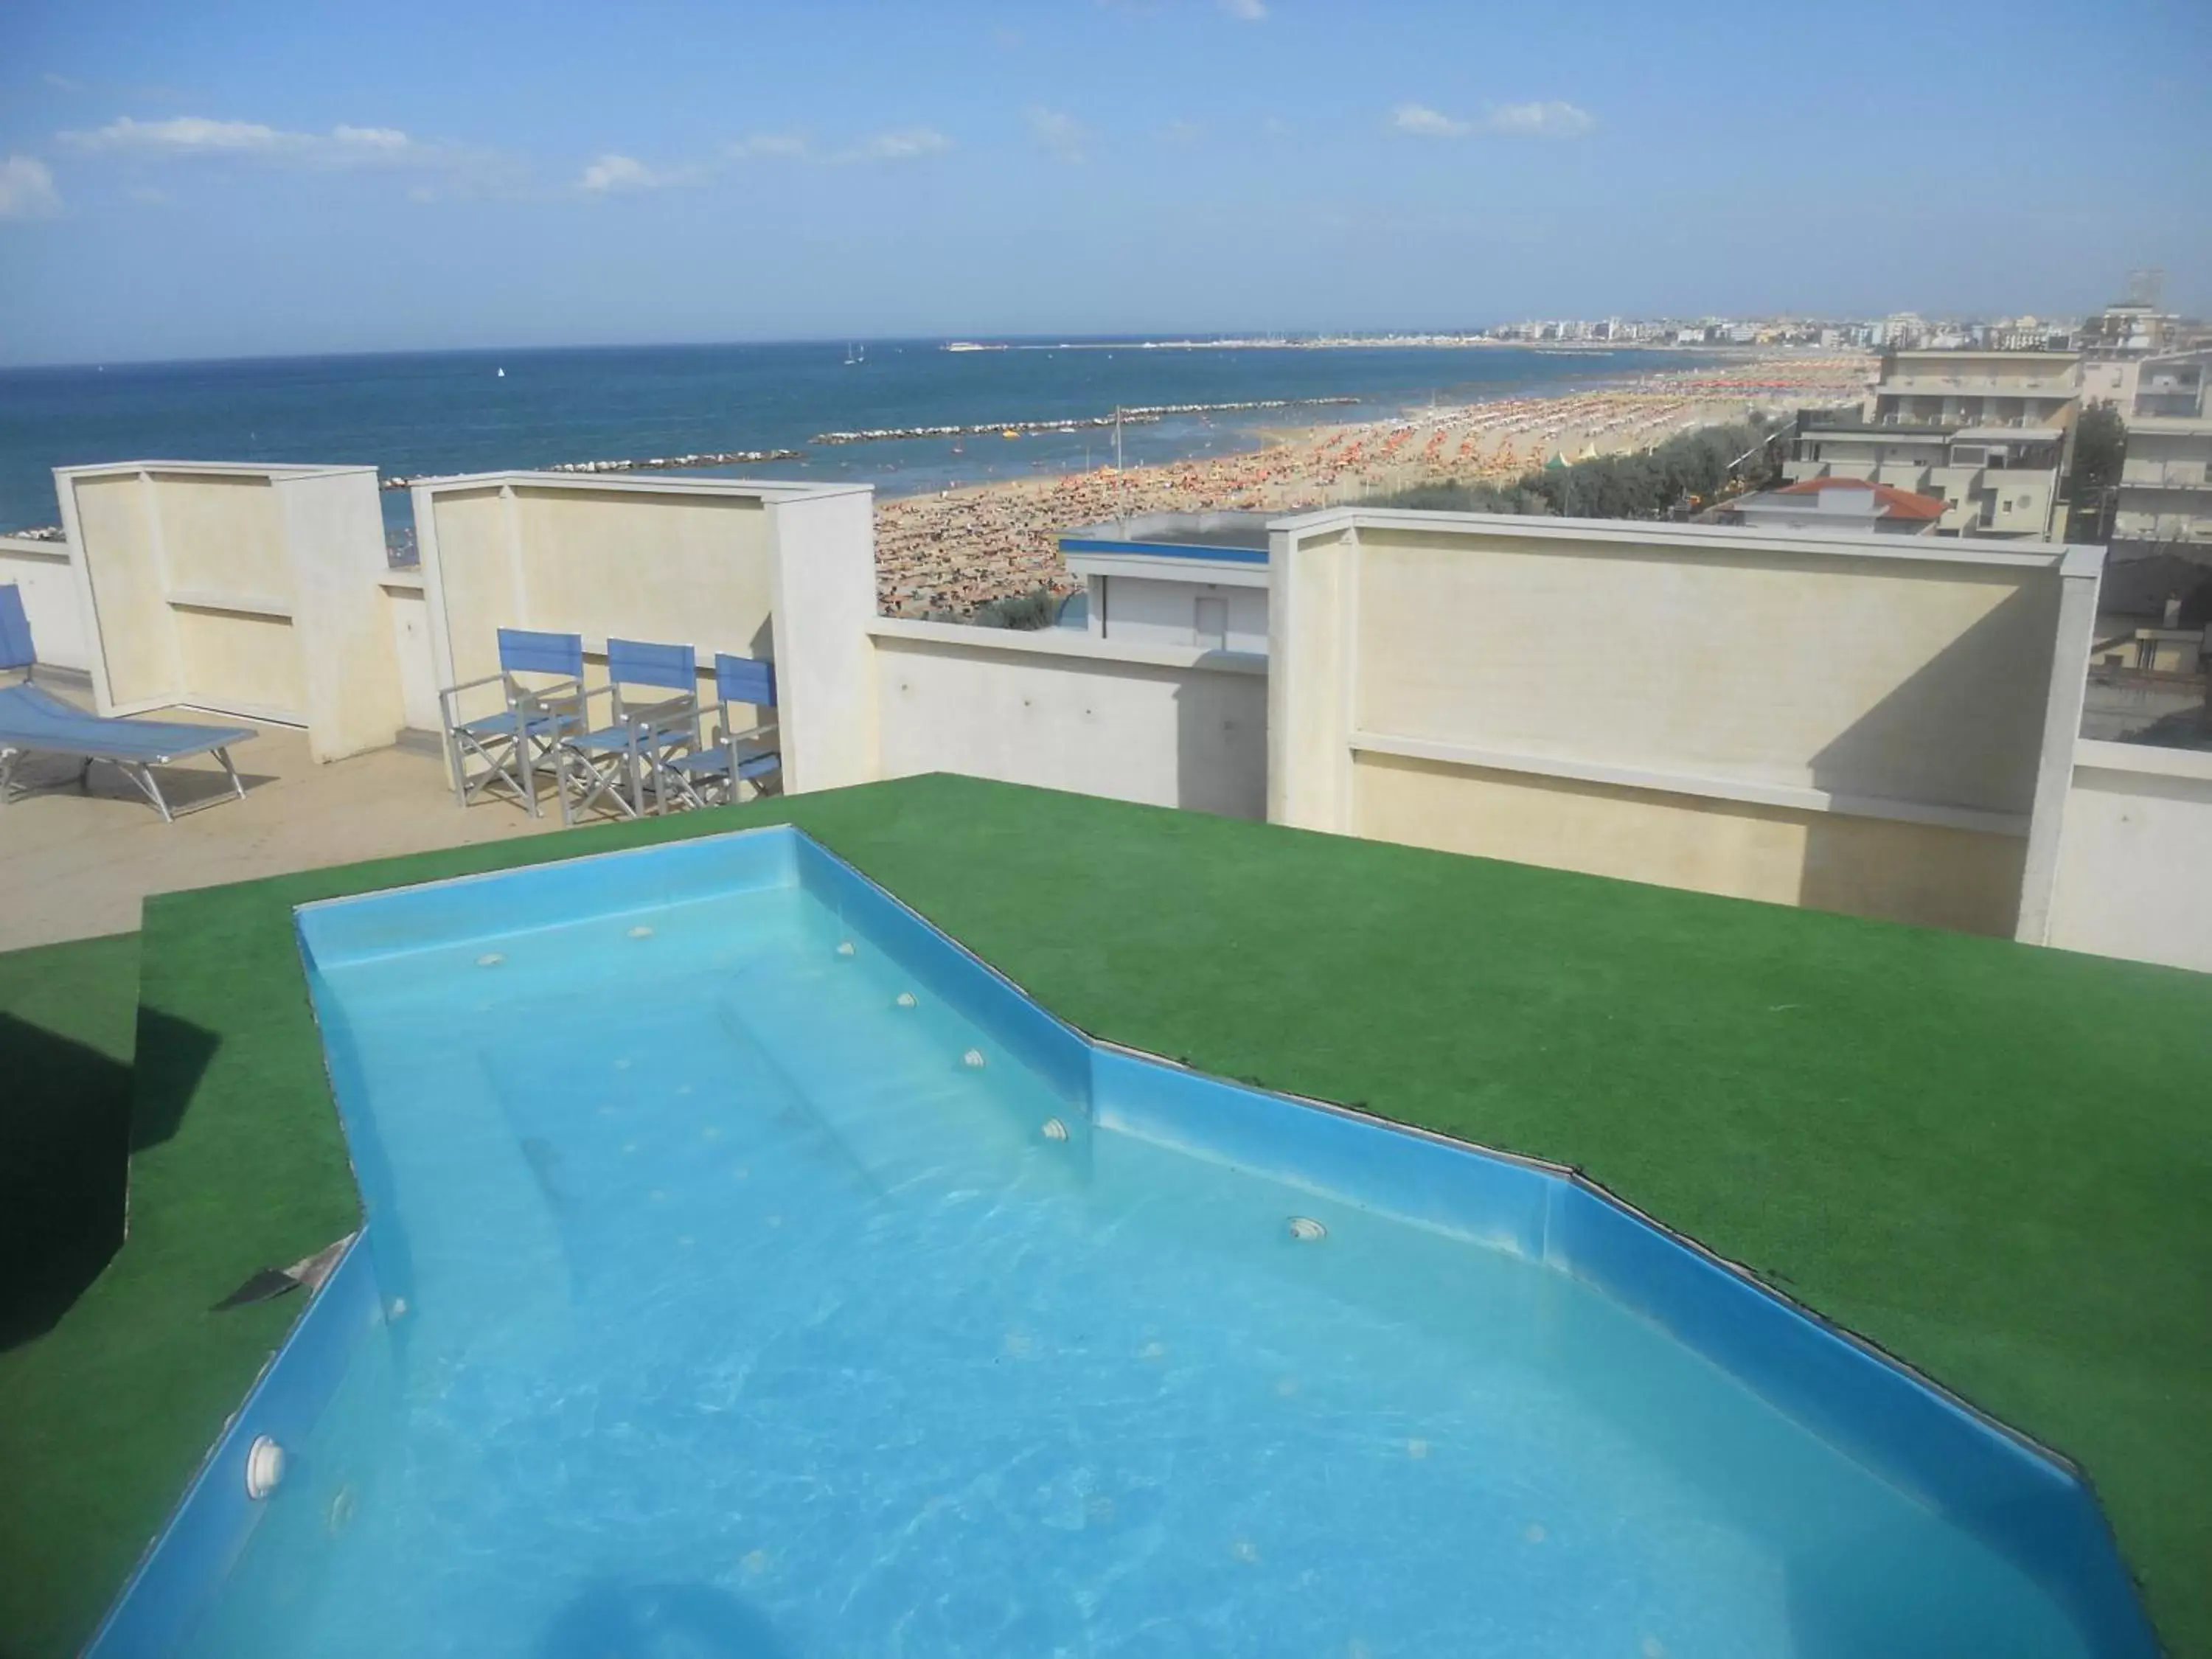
(1896, 503)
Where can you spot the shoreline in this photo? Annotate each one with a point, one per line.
(959, 548)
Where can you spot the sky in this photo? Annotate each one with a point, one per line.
(229, 179)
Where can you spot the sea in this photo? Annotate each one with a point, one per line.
(414, 414)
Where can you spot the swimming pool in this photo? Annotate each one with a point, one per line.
(751, 1271)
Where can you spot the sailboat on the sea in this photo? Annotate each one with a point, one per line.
(854, 354)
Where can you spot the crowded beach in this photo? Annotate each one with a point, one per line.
(946, 553)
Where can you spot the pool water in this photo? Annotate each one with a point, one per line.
(735, 1310)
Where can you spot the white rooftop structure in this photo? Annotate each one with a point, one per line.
(1180, 578)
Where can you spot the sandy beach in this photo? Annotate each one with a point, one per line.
(951, 551)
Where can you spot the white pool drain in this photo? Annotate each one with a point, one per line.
(1306, 1230)
(264, 1467)
(1055, 1129)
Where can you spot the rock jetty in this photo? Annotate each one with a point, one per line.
(652, 464)
(1146, 415)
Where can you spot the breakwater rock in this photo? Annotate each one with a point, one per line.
(1146, 415)
(652, 463)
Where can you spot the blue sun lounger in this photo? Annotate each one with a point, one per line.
(34, 721)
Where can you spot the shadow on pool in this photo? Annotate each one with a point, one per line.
(660, 1621)
(1833, 1616)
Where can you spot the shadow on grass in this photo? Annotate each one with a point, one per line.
(171, 1055)
(66, 1137)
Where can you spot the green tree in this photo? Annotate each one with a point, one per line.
(2100, 447)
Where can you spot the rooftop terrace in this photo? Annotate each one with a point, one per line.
(1985, 1157)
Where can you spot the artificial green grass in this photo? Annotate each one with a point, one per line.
(67, 1012)
(1987, 1158)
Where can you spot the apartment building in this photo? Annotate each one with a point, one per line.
(2165, 484)
(1986, 432)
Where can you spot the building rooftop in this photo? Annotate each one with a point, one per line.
(1908, 1130)
(1884, 501)
(1237, 537)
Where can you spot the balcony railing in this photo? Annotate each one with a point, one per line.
(2165, 475)
(1973, 386)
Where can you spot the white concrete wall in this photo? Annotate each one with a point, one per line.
(2134, 862)
(776, 571)
(41, 571)
(1877, 724)
(1167, 725)
(410, 645)
(252, 591)
(1158, 611)
(822, 584)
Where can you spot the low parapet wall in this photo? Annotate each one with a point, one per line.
(41, 571)
(2134, 863)
(1162, 725)
(1875, 725)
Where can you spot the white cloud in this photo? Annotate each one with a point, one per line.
(1183, 133)
(1428, 123)
(1245, 11)
(1553, 120)
(61, 82)
(372, 141)
(1059, 133)
(770, 143)
(611, 174)
(187, 135)
(196, 137)
(903, 145)
(27, 189)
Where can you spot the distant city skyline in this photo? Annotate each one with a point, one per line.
(269, 180)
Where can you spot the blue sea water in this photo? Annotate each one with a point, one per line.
(426, 413)
(748, 1319)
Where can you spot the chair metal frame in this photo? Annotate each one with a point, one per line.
(17, 651)
(616, 764)
(518, 743)
(711, 774)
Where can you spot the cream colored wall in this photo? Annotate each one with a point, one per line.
(112, 525)
(1856, 723)
(658, 567)
(244, 590)
(331, 536)
(474, 594)
(1866, 867)
(1170, 726)
(1868, 677)
(776, 571)
(242, 663)
(40, 574)
(822, 587)
(411, 646)
(2135, 864)
(221, 535)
